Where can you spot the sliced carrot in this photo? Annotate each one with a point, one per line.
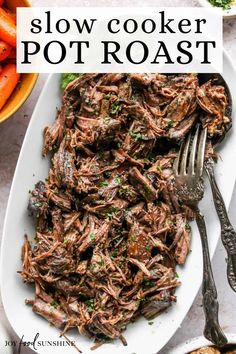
(5, 50)
(12, 54)
(7, 28)
(8, 81)
(12, 15)
(9, 61)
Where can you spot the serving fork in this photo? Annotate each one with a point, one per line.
(188, 170)
(228, 233)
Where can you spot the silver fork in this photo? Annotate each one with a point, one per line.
(228, 233)
(188, 170)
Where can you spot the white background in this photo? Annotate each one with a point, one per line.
(94, 56)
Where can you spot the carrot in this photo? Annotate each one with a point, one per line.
(5, 50)
(12, 54)
(8, 81)
(12, 15)
(7, 28)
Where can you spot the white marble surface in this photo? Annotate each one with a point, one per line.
(11, 137)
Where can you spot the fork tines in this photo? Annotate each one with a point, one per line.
(190, 159)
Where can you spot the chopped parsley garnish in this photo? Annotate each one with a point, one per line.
(187, 227)
(66, 78)
(133, 238)
(225, 4)
(176, 275)
(107, 97)
(170, 124)
(148, 283)
(115, 107)
(38, 204)
(107, 120)
(90, 305)
(148, 247)
(114, 209)
(150, 323)
(109, 215)
(118, 180)
(104, 184)
(135, 135)
(54, 304)
(159, 168)
(114, 254)
(92, 236)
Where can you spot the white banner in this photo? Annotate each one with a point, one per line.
(119, 40)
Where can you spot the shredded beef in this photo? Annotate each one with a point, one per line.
(109, 227)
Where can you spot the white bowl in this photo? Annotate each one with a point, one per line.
(197, 343)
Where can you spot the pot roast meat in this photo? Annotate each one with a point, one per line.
(143, 185)
(110, 229)
(157, 304)
(64, 166)
(213, 100)
(181, 106)
(53, 315)
(206, 350)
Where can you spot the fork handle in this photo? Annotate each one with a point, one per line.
(228, 234)
(212, 330)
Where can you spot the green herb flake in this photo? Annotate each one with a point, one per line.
(54, 304)
(107, 120)
(150, 323)
(118, 180)
(115, 107)
(176, 275)
(66, 78)
(114, 255)
(38, 204)
(107, 97)
(169, 222)
(92, 236)
(109, 215)
(148, 247)
(225, 4)
(90, 305)
(148, 283)
(55, 147)
(170, 124)
(133, 238)
(187, 227)
(135, 135)
(103, 184)
(114, 209)
(159, 168)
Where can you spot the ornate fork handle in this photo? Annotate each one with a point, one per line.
(212, 330)
(228, 234)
